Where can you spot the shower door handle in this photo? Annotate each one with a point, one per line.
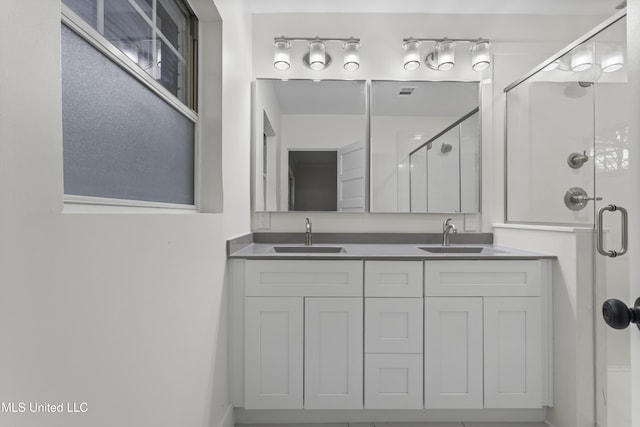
(624, 231)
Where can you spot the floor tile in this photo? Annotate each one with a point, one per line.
(505, 425)
(418, 425)
(298, 425)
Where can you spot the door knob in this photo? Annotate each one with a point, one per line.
(618, 315)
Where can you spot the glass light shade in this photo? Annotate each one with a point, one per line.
(317, 55)
(281, 55)
(581, 59)
(351, 55)
(612, 60)
(446, 55)
(480, 55)
(411, 54)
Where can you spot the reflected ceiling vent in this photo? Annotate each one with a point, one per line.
(405, 91)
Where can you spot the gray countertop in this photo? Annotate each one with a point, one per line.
(249, 249)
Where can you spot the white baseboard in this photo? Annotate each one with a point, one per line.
(290, 416)
(228, 420)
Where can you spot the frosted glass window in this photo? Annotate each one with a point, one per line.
(121, 140)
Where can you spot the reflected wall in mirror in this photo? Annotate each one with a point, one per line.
(425, 146)
(310, 145)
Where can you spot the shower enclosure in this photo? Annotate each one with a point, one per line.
(442, 170)
(567, 164)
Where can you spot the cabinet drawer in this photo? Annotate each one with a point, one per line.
(482, 278)
(393, 381)
(393, 278)
(393, 325)
(303, 278)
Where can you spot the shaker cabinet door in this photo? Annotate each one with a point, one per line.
(333, 353)
(453, 352)
(273, 353)
(513, 352)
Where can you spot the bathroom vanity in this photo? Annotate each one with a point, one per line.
(390, 326)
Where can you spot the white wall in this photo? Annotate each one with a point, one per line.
(573, 315)
(518, 45)
(392, 139)
(266, 105)
(125, 311)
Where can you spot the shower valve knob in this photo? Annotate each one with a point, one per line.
(618, 315)
(576, 160)
(576, 198)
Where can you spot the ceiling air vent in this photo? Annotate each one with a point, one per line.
(405, 91)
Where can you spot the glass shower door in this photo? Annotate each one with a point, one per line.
(550, 121)
(610, 156)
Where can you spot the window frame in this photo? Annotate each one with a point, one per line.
(92, 36)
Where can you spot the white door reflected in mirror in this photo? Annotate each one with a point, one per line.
(313, 151)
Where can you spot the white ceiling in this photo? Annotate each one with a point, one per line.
(510, 7)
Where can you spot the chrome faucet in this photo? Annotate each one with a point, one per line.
(447, 230)
(307, 233)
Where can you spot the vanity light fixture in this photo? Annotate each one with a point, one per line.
(582, 59)
(351, 54)
(612, 60)
(411, 54)
(480, 55)
(281, 55)
(317, 58)
(443, 55)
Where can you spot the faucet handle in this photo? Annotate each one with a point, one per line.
(448, 227)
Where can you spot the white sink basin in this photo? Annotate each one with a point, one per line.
(309, 249)
(453, 249)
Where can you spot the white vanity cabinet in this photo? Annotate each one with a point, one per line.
(443, 334)
(487, 337)
(393, 335)
(303, 330)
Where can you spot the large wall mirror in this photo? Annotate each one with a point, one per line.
(310, 145)
(425, 146)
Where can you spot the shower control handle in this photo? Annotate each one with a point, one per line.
(576, 160)
(617, 315)
(576, 198)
